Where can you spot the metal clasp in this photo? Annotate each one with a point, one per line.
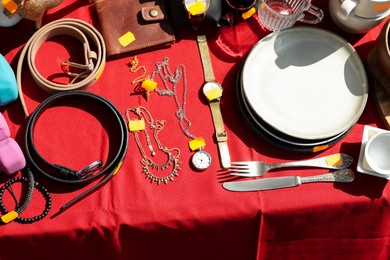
(89, 170)
(87, 69)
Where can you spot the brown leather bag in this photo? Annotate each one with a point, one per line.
(133, 26)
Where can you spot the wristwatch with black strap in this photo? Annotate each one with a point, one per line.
(213, 92)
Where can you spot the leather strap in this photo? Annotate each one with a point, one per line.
(94, 59)
(205, 57)
(65, 175)
(218, 121)
(220, 133)
(197, 20)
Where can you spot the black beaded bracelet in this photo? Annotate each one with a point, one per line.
(15, 214)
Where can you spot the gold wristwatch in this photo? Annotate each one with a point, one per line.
(213, 92)
(196, 10)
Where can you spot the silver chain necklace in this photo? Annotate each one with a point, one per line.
(201, 160)
(167, 77)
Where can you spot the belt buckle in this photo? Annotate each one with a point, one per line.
(87, 69)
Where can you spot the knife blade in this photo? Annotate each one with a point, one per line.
(262, 184)
(344, 175)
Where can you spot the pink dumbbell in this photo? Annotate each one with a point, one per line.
(11, 156)
(4, 129)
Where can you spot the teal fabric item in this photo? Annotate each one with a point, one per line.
(8, 85)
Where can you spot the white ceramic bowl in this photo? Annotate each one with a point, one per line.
(377, 153)
(353, 24)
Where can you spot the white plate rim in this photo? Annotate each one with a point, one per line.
(285, 141)
(305, 134)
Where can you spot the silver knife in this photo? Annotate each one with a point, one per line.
(344, 175)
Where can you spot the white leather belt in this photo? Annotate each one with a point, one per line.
(94, 59)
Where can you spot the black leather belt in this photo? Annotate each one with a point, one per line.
(95, 170)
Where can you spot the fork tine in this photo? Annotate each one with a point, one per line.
(243, 170)
(233, 167)
(248, 174)
(240, 163)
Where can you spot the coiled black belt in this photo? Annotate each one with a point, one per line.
(92, 172)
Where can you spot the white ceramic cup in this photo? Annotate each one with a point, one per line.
(280, 14)
(358, 17)
(377, 153)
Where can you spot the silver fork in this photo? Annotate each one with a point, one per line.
(259, 168)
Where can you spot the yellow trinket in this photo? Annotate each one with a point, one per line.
(197, 143)
(213, 93)
(334, 160)
(136, 125)
(9, 216)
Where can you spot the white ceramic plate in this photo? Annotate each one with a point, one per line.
(288, 141)
(305, 82)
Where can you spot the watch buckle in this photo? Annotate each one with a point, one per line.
(221, 137)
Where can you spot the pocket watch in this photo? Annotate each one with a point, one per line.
(201, 160)
(196, 10)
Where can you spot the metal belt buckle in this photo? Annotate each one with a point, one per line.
(86, 69)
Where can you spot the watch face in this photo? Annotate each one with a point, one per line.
(196, 7)
(212, 90)
(201, 160)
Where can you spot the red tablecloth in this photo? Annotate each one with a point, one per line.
(192, 217)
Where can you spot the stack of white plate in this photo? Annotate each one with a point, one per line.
(302, 88)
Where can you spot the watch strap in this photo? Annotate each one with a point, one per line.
(218, 121)
(196, 19)
(220, 133)
(205, 57)
(224, 155)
